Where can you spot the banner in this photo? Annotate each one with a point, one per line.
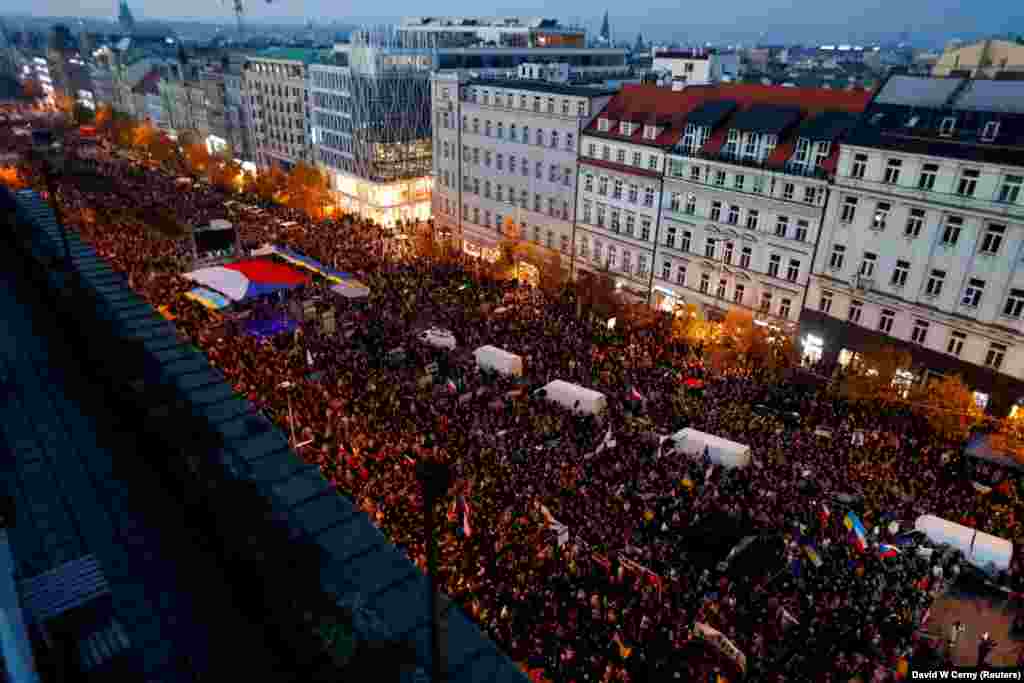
(723, 644)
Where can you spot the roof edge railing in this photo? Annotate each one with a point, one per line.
(14, 639)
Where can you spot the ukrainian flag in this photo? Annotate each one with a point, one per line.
(853, 523)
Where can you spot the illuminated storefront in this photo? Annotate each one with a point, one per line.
(384, 203)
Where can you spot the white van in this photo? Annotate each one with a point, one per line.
(721, 451)
(979, 548)
(438, 338)
(499, 360)
(574, 397)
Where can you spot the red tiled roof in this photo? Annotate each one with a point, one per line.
(715, 143)
(672, 106)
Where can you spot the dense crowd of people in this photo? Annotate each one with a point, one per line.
(588, 551)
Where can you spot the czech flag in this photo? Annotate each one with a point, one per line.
(886, 551)
(635, 395)
(853, 523)
(824, 514)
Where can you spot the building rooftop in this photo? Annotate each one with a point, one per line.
(542, 87)
(973, 120)
(289, 54)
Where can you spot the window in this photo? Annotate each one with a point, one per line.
(617, 188)
(860, 165)
(602, 184)
(892, 171)
(691, 204)
(615, 220)
(856, 308)
(487, 128)
(951, 231)
(476, 125)
(641, 264)
(666, 270)
(881, 216)
(650, 132)
(849, 210)
(773, 265)
(499, 193)
(968, 182)
(501, 130)
(990, 131)
(802, 226)
(705, 283)
(645, 229)
(915, 221)
(766, 301)
(652, 162)
(919, 333)
(695, 174)
(649, 196)
(1014, 307)
(885, 321)
(752, 218)
(709, 248)
(684, 243)
(972, 293)
(956, 343)
(554, 138)
(627, 262)
(734, 215)
(600, 215)
(476, 156)
(567, 177)
(926, 181)
(716, 210)
(592, 150)
(993, 239)
(570, 142)
(637, 159)
(630, 221)
(782, 226)
(513, 134)
(793, 272)
(598, 251)
(620, 156)
(487, 189)
(787, 191)
(720, 292)
(947, 126)
(933, 287)
(612, 261)
(738, 180)
(737, 293)
(900, 273)
(487, 218)
(835, 261)
(745, 255)
(731, 143)
(996, 354)
(681, 274)
(498, 162)
(867, 266)
(719, 177)
(758, 187)
(810, 195)
(825, 303)
(550, 241)
(565, 107)
(526, 138)
(487, 158)
(476, 215)
(606, 153)
(670, 237)
(1009, 191)
(586, 212)
(588, 182)
(553, 173)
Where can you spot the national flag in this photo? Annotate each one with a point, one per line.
(812, 555)
(824, 514)
(853, 523)
(635, 395)
(467, 518)
(453, 512)
(886, 551)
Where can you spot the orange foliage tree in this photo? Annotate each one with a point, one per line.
(225, 174)
(307, 189)
(143, 137)
(197, 158)
(32, 89)
(104, 118)
(872, 375)
(268, 183)
(10, 177)
(949, 406)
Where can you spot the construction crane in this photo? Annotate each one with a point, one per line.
(238, 7)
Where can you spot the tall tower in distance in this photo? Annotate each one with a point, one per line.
(125, 18)
(606, 32)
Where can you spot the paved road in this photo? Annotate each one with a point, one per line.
(82, 489)
(979, 614)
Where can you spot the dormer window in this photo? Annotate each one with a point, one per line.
(803, 150)
(947, 126)
(732, 142)
(991, 130)
(650, 132)
(626, 128)
(604, 125)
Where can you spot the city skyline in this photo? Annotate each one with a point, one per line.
(776, 22)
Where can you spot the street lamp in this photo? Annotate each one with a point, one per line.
(288, 386)
(435, 478)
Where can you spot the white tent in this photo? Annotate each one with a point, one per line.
(721, 451)
(220, 224)
(979, 548)
(574, 397)
(350, 289)
(231, 283)
(498, 360)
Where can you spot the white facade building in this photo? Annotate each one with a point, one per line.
(276, 84)
(505, 159)
(697, 66)
(924, 240)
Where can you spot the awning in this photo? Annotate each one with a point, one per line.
(249, 278)
(313, 265)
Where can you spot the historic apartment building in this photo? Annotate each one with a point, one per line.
(505, 159)
(275, 82)
(923, 243)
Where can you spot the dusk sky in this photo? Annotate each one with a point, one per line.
(780, 20)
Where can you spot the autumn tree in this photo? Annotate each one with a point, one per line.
(10, 177)
(64, 103)
(306, 188)
(143, 137)
(197, 158)
(873, 375)
(268, 183)
(596, 295)
(949, 406)
(104, 118)
(225, 174)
